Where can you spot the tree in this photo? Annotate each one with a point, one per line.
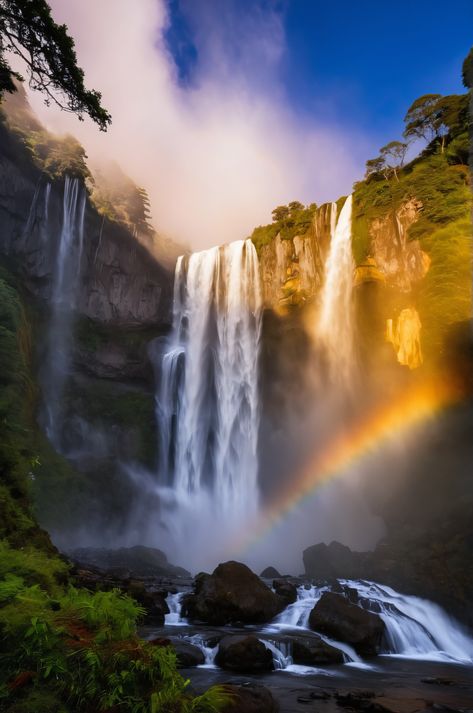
(422, 118)
(374, 166)
(295, 206)
(467, 71)
(28, 31)
(280, 213)
(393, 155)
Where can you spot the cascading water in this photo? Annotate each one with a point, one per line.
(208, 406)
(416, 628)
(335, 323)
(63, 297)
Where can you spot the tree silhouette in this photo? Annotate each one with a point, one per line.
(28, 30)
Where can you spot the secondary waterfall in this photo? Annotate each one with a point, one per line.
(65, 282)
(208, 406)
(335, 324)
(415, 628)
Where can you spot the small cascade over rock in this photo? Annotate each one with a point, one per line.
(208, 406)
(65, 282)
(415, 628)
(335, 322)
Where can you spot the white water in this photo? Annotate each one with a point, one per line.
(207, 403)
(335, 322)
(416, 628)
(174, 602)
(65, 282)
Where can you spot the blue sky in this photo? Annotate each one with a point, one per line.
(236, 106)
(357, 65)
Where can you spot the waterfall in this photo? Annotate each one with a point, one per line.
(173, 617)
(65, 282)
(335, 324)
(415, 628)
(207, 402)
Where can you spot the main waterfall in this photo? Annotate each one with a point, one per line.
(335, 326)
(207, 401)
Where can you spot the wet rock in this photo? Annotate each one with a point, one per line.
(270, 573)
(313, 651)
(154, 603)
(188, 655)
(250, 698)
(336, 617)
(285, 589)
(232, 594)
(243, 654)
(437, 680)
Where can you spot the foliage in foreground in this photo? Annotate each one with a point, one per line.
(82, 649)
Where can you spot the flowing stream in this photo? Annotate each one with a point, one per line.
(415, 628)
(207, 403)
(335, 323)
(65, 284)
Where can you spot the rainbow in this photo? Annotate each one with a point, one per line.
(415, 405)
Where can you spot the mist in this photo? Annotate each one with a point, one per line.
(216, 151)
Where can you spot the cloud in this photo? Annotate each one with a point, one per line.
(215, 153)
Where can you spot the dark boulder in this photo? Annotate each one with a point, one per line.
(250, 698)
(154, 603)
(243, 654)
(313, 651)
(232, 594)
(286, 590)
(188, 655)
(336, 617)
(333, 561)
(270, 573)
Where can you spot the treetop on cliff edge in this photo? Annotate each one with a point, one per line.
(28, 31)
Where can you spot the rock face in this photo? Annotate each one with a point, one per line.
(232, 594)
(243, 654)
(292, 270)
(402, 261)
(333, 561)
(336, 617)
(138, 561)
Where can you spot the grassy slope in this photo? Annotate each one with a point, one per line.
(443, 230)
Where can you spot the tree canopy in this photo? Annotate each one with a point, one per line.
(28, 30)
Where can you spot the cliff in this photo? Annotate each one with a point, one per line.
(98, 362)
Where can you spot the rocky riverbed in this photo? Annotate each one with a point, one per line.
(292, 643)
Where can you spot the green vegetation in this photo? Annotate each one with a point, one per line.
(79, 651)
(27, 30)
(63, 649)
(289, 221)
(55, 156)
(118, 198)
(438, 181)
